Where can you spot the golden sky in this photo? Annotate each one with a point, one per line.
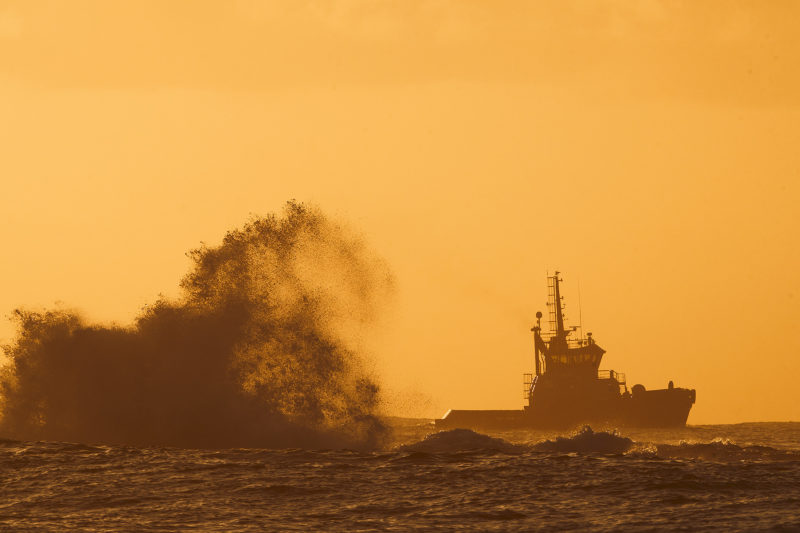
(648, 150)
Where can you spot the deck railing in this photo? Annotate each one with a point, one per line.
(528, 383)
(571, 343)
(611, 374)
(619, 377)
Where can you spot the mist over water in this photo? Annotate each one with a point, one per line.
(258, 351)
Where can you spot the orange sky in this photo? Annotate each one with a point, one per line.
(647, 149)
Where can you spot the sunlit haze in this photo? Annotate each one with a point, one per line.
(647, 150)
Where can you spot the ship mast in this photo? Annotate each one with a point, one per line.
(557, 303)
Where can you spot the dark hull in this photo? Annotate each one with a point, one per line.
(658, 408)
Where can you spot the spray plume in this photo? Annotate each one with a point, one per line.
(255, 353)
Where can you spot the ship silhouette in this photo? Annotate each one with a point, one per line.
(568, 389)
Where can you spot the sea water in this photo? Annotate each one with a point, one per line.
(743, 477)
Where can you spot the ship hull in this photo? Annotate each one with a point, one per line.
(658, 408)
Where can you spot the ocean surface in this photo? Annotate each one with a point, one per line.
(743, 477)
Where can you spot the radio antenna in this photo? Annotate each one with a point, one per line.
(580, 309)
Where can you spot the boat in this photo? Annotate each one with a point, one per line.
(568, 389)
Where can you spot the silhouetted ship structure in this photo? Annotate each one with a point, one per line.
(568, 389)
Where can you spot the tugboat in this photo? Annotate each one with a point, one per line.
(568, 389)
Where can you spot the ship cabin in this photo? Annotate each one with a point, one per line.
(563, 356)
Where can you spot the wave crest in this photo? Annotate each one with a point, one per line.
(460, 440)
(724, 451)
(586, 440)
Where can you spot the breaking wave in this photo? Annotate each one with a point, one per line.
(586, 441)
(256, 352)
(458, 440)
(723, 451)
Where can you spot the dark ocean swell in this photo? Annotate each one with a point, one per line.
(694, 479)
